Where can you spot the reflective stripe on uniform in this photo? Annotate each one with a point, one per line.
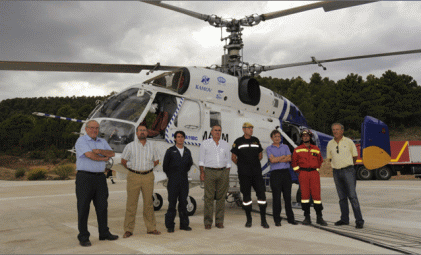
(315, 151)
(305, 201)
(301, 150)
(247, 203)
(254, 145)
(317, 169)
(242, 146)
(261, 202)
(317, 201)
(296, 168)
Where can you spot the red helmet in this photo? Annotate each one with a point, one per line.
(306, 131)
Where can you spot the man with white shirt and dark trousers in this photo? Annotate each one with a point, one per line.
(215, 164)
(177, 163)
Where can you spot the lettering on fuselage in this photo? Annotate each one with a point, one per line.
(189, 137)
(203, 88)
(223, 136)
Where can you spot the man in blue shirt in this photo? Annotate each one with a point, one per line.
(279, 157)
(92, 153)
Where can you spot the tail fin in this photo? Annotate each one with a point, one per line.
(375, 143)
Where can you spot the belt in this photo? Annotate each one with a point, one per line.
(222, 168)
(280, 169)
(138, 172)
(343, 167)
(87, 172)
(308, 169)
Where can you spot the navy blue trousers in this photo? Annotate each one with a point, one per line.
(178, 190)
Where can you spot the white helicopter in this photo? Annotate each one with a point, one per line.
(193, 99)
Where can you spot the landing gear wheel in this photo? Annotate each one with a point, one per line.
(157, 201)
(383, 173)
(191, 206)
(365, 174)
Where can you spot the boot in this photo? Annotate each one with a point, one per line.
(306, 208)
(248, 215)
(263, 215)
(318, 208)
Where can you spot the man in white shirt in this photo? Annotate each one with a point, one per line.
(215, 164)
(140, 157)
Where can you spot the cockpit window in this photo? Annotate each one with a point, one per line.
(177, 81)
(127, 105)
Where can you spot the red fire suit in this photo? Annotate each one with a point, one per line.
(307, 162)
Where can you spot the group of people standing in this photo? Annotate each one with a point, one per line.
(141, 156)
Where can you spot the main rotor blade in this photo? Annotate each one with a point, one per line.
(327, 6)
(80, 67)
(316, 62)
(178, 9)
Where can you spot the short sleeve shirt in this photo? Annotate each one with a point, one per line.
(282, 150)
(247, 152)
(140, 157)
(86, 144)
(343, 155)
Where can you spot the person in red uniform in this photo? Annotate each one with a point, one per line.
(306, 160)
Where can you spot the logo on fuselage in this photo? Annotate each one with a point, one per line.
(205, 80)
(203, 88)
(221, 79)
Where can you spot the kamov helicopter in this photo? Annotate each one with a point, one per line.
(192, 99)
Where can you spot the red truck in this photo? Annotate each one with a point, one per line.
(405, 158)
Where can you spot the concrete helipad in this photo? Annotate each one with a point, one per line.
(40, 217)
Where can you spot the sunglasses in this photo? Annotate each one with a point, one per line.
(337, 149)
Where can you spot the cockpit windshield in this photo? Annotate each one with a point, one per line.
(127, 105)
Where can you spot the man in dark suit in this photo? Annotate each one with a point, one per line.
(177, 163)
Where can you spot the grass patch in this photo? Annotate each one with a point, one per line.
(37, 174)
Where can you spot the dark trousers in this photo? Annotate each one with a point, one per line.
(89, 188)
(255, 181)
(178, 189)
(346, 182)
(280, 182)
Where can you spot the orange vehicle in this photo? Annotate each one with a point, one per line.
(405, 158)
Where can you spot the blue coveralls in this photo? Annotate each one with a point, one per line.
(176, 167)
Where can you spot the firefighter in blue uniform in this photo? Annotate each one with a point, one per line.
(246, 154)
(177, 163)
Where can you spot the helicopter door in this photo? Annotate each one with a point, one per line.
(188, 120)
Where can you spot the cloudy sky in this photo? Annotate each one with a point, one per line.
(131, 32)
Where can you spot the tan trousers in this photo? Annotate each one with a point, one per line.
(215, 181)
(135, 184)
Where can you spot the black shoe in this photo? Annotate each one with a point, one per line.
(85, 243)
(340, 223)
(278, 224)
(307, 220)
(293, 222)
(110, 237)
(170, 230)
(265, 224)
(248, 224)
(186, 228)
(320, 221)
(359, 225)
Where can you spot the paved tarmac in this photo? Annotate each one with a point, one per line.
(40, 217)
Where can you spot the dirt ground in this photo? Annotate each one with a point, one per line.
(10, 164)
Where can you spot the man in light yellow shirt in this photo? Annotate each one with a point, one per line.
(342, 153)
